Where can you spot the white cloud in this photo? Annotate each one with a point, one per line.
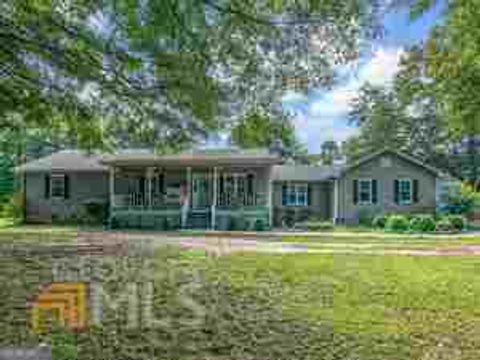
(381, 69)
(325, 115)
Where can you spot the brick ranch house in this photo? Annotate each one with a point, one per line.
(223, 189)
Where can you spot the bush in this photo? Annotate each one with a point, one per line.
(13, 207)
(366, 216)
(319, 225)
(422, 223)
(458, 222)
(379, 221)
(461, 202)
(444, 225)
(396, 223)
(259, 225)
(94, 212)
(237, 223)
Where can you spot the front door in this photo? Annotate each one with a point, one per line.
(200, 190)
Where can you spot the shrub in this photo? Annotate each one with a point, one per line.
(13, 208)
(319, 225)
(396, 223)
(444, 225)
(94, 212)
(259, 225)
(422, 223)
(237, 223)
(365, 216)
(458, 222)
(379, 221)
(461, 202)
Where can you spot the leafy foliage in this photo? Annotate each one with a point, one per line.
(397, 223)
(459, 222)
(379, 221)
(422, 223)
(258, 129)
(163, 72)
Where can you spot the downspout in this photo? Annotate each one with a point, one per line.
(335, 201)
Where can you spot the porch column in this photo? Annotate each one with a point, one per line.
(214, 201)
(186, 200)
(111, 187)
(270, 200)
(148, 190)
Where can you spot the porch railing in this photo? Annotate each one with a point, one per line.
(139, 200)
(228, 199)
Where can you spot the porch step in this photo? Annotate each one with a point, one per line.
(198, 219)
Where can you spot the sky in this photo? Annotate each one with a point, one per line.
(322, 115)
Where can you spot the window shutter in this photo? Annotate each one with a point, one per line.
(415, 191)
(309, 195)
(161, 183)
(66, 187)
(396, 190)
(47, 186)
(374, 191)
(284, 195)
(355, 191)
(141, 185)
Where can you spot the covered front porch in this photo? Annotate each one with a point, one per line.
(167, 196)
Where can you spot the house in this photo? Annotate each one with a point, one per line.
(223, 189)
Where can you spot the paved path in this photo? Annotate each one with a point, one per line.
(227, 245)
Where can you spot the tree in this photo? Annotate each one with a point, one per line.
(403, 117)
(329, 151)
(258, 129)
(452, 62)
(162, 71)
(381, 121)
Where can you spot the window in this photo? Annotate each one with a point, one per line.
(295, 195)
(405, 191)
(57, 185)
(365, 191)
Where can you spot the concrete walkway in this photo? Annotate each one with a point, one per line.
(218, 245)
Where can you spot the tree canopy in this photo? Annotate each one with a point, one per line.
(115, 72)
(258, 129)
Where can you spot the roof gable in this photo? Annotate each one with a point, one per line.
(64, 160)
(401, 155)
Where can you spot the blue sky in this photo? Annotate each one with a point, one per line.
(322, 115)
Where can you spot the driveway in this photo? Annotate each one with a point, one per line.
(220, 245)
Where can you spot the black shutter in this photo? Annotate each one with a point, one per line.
(66, 186)
(355, 191)
(396, 190)
(161, 183)
(284, 194)
(415, 191)
(374, 191)
(309, 195)
(47, 186)
(141, 186)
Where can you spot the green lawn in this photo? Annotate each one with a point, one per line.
(259, 306)
(424, 300)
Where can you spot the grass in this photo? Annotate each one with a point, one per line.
(256, 306)
(425, 299)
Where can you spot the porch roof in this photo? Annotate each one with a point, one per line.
(195, 158)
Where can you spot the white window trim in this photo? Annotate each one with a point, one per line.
(295, 187)
(53, 177)
(370, 182)
(400, 201)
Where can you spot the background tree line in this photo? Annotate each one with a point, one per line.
(432, 108)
